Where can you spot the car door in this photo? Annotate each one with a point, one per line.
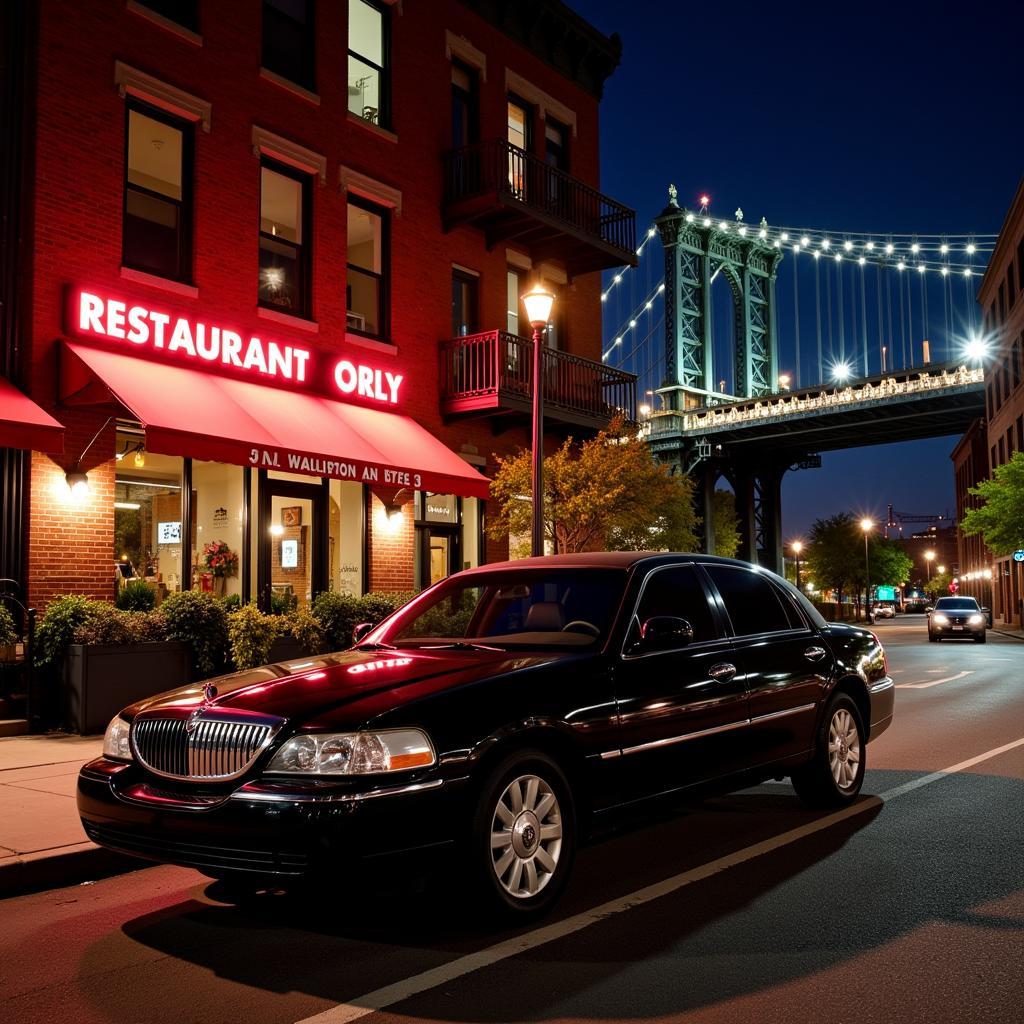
(785, 663)
(679, 708)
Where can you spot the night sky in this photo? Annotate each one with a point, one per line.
(898, 117)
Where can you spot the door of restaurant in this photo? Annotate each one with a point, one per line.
(292, 563)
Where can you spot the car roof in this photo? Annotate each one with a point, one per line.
(604, 560)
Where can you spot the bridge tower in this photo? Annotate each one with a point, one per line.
(697, 249)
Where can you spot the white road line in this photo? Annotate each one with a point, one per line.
(934, 682)
(389, 995)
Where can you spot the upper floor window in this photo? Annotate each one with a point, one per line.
(1011, 292)
(181, 12)
(514, 290)
(157, 233)
(366, 292)
(369, 75)
(289, 41)
(465, 287)
(556, 144)
(284, 239)
(465, 105)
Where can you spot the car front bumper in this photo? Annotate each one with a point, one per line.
(956, 632)
(280, 829)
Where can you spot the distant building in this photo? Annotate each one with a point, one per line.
(941, 540)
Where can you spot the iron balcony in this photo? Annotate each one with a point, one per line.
(492, 373)
(515, 196)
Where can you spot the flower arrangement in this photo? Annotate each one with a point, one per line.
(219, 559)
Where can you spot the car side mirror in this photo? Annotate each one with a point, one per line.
(360, 631)
(662, 633)
(987, 611)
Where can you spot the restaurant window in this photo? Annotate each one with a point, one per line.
(218, 520)
(366, 292)
(465, 105)
(157, 234)
(369, 85)
(148, 522)
(465, 289)
(284, 239)
(289, 41)
(181, 12)
(347, 532)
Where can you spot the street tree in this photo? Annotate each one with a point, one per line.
(726, 524)
(835, 553)
(1000, 520)
(938, 585)
(607, 492)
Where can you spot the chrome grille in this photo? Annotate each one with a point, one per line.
(217, 749)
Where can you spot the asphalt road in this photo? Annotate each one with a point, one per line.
(734, 909)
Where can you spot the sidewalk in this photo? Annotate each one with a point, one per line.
(1017, 634)
(42, 844)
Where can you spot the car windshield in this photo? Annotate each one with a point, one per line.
(510, 608)
(956, 604)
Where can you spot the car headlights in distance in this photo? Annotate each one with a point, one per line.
(354, 753)
(976, 620)
(939, 619)
(115, 740)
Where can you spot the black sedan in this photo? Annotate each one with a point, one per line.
(504, 712)
(958, 617)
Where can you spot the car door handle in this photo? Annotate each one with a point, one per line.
(815, 653)
(723, 670)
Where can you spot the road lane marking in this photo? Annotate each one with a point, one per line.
(398, 992)
(934, 682)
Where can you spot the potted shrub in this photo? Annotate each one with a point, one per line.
(199, 621)
(299, 635)
(8, 635)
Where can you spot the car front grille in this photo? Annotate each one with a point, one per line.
(217, 748)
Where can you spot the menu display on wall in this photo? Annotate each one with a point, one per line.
(168, 533)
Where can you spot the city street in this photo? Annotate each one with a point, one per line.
(909, 906)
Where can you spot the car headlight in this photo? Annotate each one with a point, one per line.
(976, 620)
(939, 619)
(115, 740)
(354, 753)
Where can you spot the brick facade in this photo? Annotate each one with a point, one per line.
(78, 197)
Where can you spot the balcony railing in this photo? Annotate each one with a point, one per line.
(507, 192)
(494, 371)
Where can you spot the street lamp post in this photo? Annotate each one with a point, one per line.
(797, 546)
(867, 525)
(538, 304)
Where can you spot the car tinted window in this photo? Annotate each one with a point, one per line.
(957, 604)
(750, 600)
(678, 591)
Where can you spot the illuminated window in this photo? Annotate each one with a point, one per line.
(157, 235)
(289, 41)
(366, 293)
(284, 241)
(369, 86)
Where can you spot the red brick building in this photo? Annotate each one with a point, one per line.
(970, 465)
(261, 279)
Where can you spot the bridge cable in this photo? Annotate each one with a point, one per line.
(842, 311)
(903, 325)
(892, 345)
(828, 303)
(881, 324)
(864, 319)
(796, 321)
(817, 313)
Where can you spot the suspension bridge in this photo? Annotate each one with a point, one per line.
(758, 346)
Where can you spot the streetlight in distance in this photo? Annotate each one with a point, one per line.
(867, 525)
(538, 303)
(940, 569)
(929, 557)
(797, 546)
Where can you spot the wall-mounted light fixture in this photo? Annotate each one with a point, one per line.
(76, 478)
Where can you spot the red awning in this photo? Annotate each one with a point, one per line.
(24, 425)
(220, 419)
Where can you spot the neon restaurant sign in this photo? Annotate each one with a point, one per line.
(201, 342)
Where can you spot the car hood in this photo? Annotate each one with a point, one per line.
(303, 689)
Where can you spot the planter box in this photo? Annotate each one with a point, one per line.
(287, 648)
(101, 679)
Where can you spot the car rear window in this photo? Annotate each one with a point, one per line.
(751, 601)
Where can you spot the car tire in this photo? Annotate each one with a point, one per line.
(980, 638)
(826, 779)
(523, 837)
(932, 638)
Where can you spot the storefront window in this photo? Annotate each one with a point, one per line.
(218, 517)
(148, 527)
(347, 540)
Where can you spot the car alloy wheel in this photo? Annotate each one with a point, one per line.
(526, 836)
(843, 748)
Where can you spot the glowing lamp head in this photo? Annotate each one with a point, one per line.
(798, 546)
(705, 199)
(867, 524)
(645, 410)
(277, 530)
(841, 372)
(78, 484)
(538, 302)
(929, 556)
(976, 349)
(940, 568)
(784, 380)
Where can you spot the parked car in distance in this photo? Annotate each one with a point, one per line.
(957, 617)
(883, 610)
(502, 714)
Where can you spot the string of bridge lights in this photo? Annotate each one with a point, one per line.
(918, 253)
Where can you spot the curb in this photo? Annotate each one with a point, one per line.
(69, 865)
(1003, 632)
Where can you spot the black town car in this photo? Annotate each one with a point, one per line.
(505, 711)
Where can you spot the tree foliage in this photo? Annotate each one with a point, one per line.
(607, 492)
(938, 585)
(726, 524)
(1000, 520)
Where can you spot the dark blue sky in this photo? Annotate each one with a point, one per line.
(887, 118)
